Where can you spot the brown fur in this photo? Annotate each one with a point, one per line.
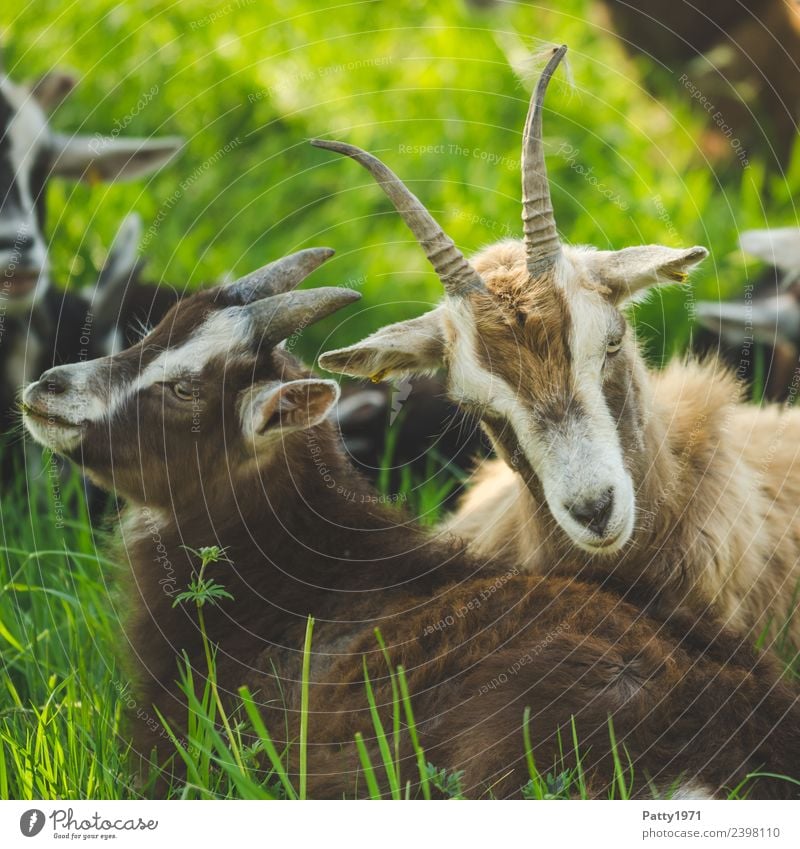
(306, 535)
(717, 481)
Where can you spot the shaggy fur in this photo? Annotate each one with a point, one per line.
(304, 535)
(717, 481)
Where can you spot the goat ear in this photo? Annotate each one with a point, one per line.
(284, 407)
(408, 347)
(632, 270)
(122, 267)
(104, 159)
(779, 247)
(52, 88)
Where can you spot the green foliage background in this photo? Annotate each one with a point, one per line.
(429, 87)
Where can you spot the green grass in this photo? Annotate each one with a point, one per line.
(64, 697)
(433, 91)
(402, 80)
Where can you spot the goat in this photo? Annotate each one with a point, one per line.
(64, 326)
(216, 434)
(764, 327)
(38, 323)
(122, 304)
(121, 301)
(603, 463)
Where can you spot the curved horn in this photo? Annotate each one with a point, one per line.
(457, 275)
(277, 277)
(276, 318)
(539, 225)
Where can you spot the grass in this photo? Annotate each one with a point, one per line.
(432, 90)
(62, 728)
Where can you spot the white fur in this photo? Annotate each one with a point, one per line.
(584, 458)
(91, 398)
(26, 133)
(590, 460)
(693, 790)
(221, 335)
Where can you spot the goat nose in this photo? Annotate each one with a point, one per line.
(594, 513)
(54, 381)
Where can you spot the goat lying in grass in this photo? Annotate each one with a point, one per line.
(662, 476)
(218, 436)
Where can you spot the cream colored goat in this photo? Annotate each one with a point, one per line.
(603, 464)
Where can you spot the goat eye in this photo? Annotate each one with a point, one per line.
(183, 390)
(614, 345)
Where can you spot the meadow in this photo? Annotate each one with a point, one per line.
(440, 92)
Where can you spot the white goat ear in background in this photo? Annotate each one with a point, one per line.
(122, 266)
(632, 270)
(407, 347)
(283, 407)
(779, 247)
(99, 158)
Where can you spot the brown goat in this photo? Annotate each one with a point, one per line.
(217, 435)
(664, 477)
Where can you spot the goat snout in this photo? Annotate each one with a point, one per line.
(54, 381)
(594, 513)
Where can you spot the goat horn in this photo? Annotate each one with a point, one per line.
(542, 245)
(457, 275)
(282, 315)
(278, 277)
